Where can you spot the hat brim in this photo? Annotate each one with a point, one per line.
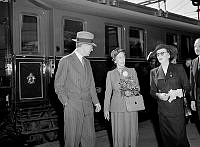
(93, 44)
(150, 56)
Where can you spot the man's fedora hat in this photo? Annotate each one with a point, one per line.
(85, 37)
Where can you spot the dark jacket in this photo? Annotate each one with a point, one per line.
(193, 78)
(175, 78)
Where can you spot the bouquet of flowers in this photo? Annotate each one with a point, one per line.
(127, 85)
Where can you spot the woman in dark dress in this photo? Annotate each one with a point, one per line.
(167, 83)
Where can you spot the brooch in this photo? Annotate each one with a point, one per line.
(125, 73)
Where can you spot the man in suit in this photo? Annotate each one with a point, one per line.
(75, 87)
(195, 79)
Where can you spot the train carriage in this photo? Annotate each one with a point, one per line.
(35, 34)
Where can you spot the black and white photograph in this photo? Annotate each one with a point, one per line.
(100, 73)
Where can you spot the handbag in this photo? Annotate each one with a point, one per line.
(135, 103)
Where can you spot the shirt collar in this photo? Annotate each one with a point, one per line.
(78, 55)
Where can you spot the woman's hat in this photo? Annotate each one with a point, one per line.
(173, 51)
(115, 52)
(85, 37)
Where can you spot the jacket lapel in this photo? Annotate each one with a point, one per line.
(160, 73)
(195, 64)
(117, 78)
(170, 71)
(86, 68)
(77, 64)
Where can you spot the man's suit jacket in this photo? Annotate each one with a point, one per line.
(113, 101)
(74, 84)
(193, 78)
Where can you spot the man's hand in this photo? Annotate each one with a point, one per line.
(98, 107)
(193, 105)
(107, 115)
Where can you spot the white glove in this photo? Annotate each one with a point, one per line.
(175, 93)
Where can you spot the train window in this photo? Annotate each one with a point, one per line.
(172, 39)
(71, 27)
(185, 47)
(113, 38)
(29, 34)
(136, 42)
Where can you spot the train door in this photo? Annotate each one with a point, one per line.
(35, 118)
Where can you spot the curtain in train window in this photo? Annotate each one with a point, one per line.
(136, 42)
(29, 34)
(172, 39)
(113, 38)
(185, 47)
(71, 27)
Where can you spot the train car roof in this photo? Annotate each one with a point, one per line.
(125, 12)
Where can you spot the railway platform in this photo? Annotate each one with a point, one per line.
(147, 136)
